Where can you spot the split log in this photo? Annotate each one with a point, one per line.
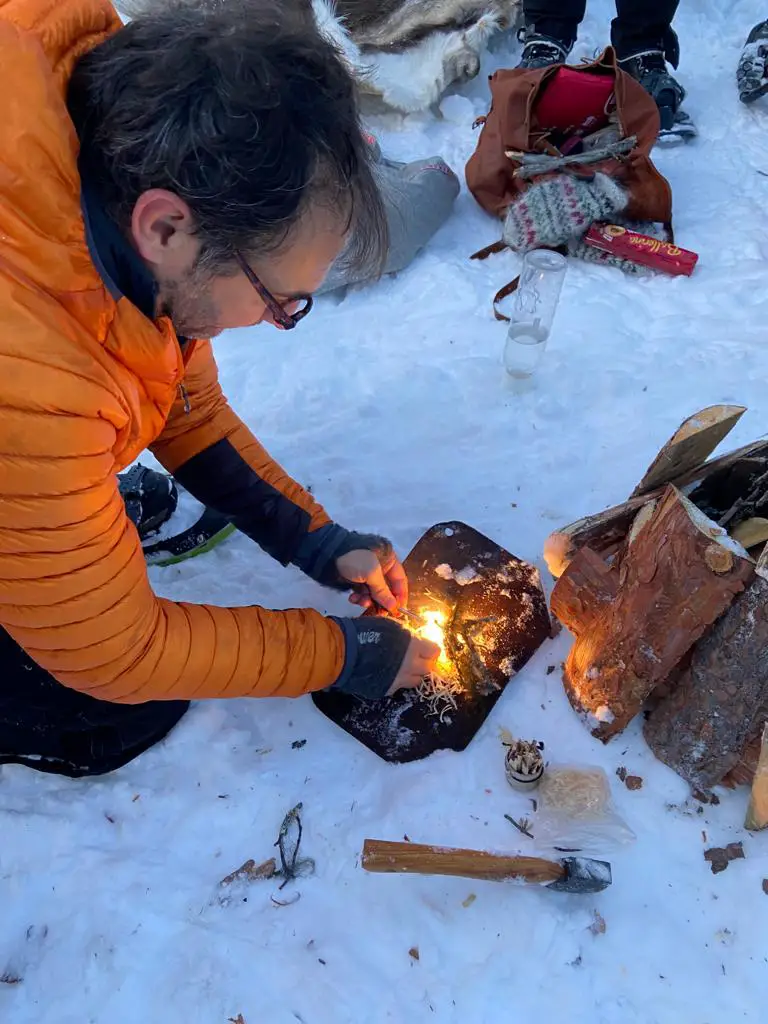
(757, 812)
(583, 593)
(703, 726)
(605, 531)
(678, 576)
(690, 446)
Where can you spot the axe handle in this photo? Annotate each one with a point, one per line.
(414, 858)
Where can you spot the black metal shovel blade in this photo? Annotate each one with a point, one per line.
(487, 594)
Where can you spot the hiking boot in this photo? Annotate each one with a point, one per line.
(150, 498)
(540, 51)
(649, 68)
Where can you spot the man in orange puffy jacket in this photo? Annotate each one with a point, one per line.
(195, 170)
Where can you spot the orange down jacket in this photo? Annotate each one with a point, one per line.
(86, 384)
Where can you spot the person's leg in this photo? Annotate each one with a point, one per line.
(643, 25)
(52, 728)
(550, 30)
(644, 40)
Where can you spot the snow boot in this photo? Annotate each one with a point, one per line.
(751, 73)
(539, 50)
(649, 68)
(151, 498)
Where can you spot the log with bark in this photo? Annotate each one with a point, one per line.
(675, 578)
(605, 531)
(721, 699)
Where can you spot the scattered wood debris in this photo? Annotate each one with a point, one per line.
(413, 953)
(298, 744)
(765, 886)
(251, 872)
(632, 782)
(10, 978)
(598, 925)
(471, 898)
(551, 669)
(705, 798)
(239, 1019)
(719, 857)
(524, 825)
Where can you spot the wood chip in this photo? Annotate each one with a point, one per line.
(239, 1019)
(765, 886)
(251, 872)
(633, 782)
(469, 900)
(720, 857)
(413, 953)
(598, 925)
(9, 978)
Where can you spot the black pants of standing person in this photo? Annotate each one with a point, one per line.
(639, 24)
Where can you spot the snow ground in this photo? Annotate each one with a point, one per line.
(393, 405)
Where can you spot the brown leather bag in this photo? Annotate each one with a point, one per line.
(511, 125)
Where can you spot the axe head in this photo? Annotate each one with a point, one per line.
(583, 875)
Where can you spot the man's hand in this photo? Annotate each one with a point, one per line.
(378, 576)
(384, 657)
(419, 661)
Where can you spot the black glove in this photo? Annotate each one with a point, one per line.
(321, 550)
(376, 649)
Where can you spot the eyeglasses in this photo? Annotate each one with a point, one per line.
(277, 311)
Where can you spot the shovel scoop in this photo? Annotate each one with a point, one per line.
(581, 875)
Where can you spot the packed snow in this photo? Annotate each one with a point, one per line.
(392, 404)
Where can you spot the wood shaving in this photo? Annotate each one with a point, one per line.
(413, 953)
(577, 792)
(471, 899)
(440, 695)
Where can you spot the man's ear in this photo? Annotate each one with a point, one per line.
(162, 228)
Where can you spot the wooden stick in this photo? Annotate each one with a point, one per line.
(415, 858)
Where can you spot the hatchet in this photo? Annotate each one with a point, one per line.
(572, 874)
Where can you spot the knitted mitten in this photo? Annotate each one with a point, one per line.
(553, 211)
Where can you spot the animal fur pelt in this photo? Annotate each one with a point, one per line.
(407, 52)
(404, 52)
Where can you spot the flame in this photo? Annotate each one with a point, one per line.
(433, 629)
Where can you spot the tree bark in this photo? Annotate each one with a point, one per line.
(704, 725)
(676, 578)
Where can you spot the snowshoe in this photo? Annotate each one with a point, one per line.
(751, 76)
(208, 531)
(169, 531)
(649, 68)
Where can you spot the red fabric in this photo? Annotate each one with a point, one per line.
(570, 97)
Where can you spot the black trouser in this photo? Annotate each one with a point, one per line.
(49, 727)
(639, 24)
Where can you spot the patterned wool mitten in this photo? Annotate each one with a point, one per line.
(551, 212)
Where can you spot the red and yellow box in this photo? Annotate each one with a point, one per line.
(648, 252)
